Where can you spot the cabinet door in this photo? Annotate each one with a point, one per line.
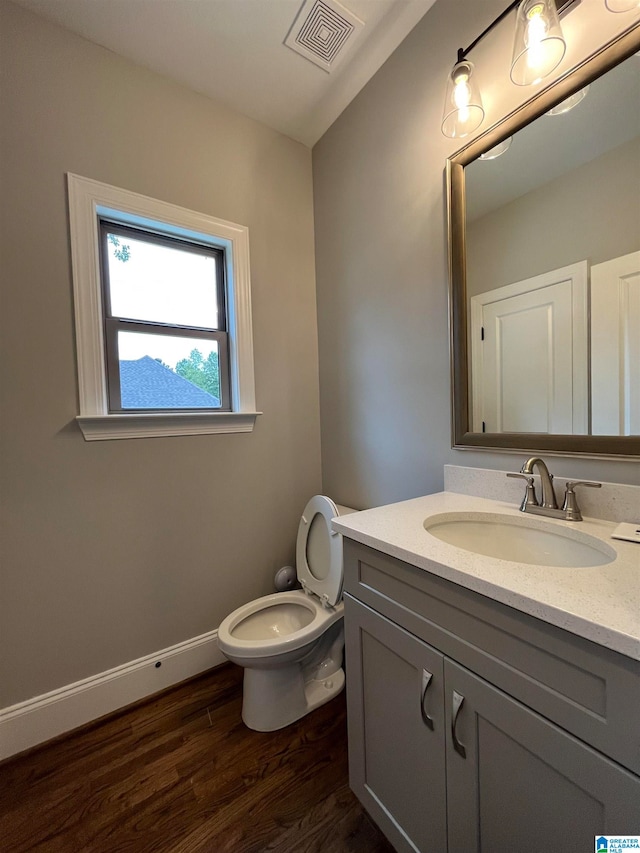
(523, 784)
(396, 729)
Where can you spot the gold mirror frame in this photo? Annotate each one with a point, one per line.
(595, 66)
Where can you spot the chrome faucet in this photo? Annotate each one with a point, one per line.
(570, 510)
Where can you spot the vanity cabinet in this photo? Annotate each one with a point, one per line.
(455, 747)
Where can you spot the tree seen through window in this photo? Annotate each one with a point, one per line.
(201, 371)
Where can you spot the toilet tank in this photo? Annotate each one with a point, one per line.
(345, 510)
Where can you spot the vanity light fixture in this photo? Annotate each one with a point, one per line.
(463, 110)
(622, 5)
(497, 150)
(568, 103)
(539, 47)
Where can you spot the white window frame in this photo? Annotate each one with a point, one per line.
(88, 200)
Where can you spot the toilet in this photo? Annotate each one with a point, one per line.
(291, 644)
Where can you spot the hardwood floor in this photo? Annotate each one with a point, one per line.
(182, 774)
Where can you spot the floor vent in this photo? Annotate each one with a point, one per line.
(323, 31)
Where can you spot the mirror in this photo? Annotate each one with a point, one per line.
(544, 247)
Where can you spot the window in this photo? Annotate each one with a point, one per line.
(165, 322)
(163, 317)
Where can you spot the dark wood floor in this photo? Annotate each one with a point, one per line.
(182, 774)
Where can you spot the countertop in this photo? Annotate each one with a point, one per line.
(600, 603)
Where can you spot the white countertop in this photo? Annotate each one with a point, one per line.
(600, 603)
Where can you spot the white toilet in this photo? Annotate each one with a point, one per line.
(291, 643)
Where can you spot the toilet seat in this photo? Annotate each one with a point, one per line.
(269, 644)
(319, 551)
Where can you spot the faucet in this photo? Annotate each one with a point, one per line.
(548, 492)
(570, 510)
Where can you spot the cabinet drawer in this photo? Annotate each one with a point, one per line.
(590, 691)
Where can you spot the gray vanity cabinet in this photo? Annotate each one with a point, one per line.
(448, 759)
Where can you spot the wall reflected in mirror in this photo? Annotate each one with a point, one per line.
(553, 270)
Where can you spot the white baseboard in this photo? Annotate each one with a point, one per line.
(39, 719)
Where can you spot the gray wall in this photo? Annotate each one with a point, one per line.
(591, 213)
(113, 550)
(381, 264)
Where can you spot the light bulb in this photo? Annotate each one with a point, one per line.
(534, 37)
(462, 96)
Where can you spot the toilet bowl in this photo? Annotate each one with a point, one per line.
(291, 644)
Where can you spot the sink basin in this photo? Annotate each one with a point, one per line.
(519, 540)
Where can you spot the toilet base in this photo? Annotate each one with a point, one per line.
(273, 699)
(319, 692)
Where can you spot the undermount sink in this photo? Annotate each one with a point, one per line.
(519, 540)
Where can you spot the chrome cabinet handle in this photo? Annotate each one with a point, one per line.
(458, 699)
(426, 681)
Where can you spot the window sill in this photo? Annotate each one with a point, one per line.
(157, 425)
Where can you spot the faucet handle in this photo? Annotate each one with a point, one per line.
(530, 498)
(570, 506)
(571, 486)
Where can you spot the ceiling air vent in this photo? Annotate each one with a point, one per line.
(323, 31)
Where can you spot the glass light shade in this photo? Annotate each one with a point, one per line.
(622, 5)
(539, 45)
(497, 150)
(463, 110)
(568, 103)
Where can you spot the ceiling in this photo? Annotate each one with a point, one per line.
(233, 51)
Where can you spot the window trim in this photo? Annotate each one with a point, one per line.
(88, 201)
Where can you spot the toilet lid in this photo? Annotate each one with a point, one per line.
(319, 551)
